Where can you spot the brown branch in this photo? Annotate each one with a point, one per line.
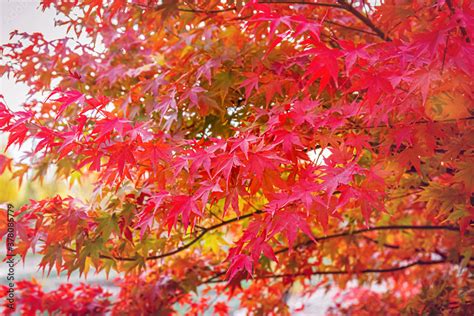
(316, 4)
(215, 278)
(307, 243)
(355, 29)
(164, 6)
(206, 11)
(349, 233)
(449, 3)
(179, 249)
(405, 125)
(444, 53)
(334, 272)
(348, 7)
(391, 246)
(370, 229)
(386, 245)
(343, 6)
(213, 214)
(208, 229)
(400, 196)
(204, 231)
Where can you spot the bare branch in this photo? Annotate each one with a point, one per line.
(449, 3)
(215, 278)
(370, 229)
(161, 7)
(333, 272)
(316, 4)
(343, 5)
(405, 125)
(348, 7)
(355, 29)
(204, 230)
(207, 11)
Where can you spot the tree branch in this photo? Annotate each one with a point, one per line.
(162, 6)
(344, 6)
(349, 233)
(204, 231)
(405, 125)
(370, 229)
(208, 229)
(449, 3)
(215, 278)
(355, 29)
(207, 11)
(316, 4)
(386, 245)
(335, 272)
(348, 7)
(401, 196)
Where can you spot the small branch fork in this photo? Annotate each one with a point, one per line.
(216, 278)
(370, 229)
(347, 233)
(364, 19)
(449, 3)
(204, 231)
(343, 5)
(191, 10)
(421, 122)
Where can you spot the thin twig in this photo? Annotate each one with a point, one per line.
(307, 243)
(444, 53)
(355, 29)
(204, 231)
(207, 11)
(449, 3)
(405, 125)
(386, 245)
(215, 278)
(383, 270)
(348, 7)
(316, 4)
(395, 197)
(161, 7)
(370, 229)
(343, 5)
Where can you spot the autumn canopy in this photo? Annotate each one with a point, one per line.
(249, 150)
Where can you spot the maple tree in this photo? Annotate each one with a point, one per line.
(242, 148)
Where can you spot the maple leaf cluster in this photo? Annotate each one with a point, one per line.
(246, 149)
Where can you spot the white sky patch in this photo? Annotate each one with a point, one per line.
(317, 156)
(24, 16)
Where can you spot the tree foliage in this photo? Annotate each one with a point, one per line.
(243, 148)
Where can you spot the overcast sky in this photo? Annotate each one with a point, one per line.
(24, 16)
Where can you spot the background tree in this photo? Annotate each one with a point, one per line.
(243, 148)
